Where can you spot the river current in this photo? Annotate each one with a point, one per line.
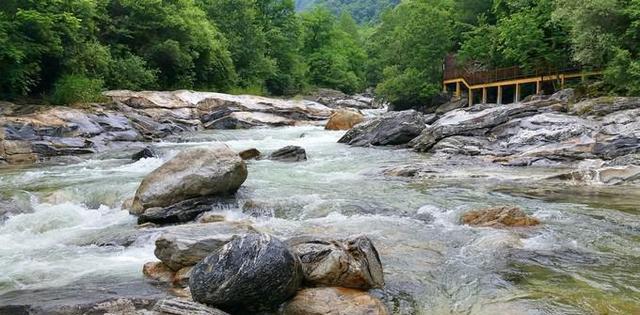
(583, 259)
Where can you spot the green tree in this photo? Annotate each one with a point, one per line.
(413, 41)
(334, 56)
(176, 38)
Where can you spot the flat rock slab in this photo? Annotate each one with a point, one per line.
(334, 301)
(186, 245)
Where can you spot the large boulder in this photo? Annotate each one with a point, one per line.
(334, 301)
(350, 263)
(289, 154)
(252, 273)
(212, 171)
(186, 245)
(392, 128)
(499, 217)
(343, 120)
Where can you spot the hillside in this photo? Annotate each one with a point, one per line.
(362, 10)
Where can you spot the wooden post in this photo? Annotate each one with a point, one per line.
(562, 81)
(458, 90)
(499, 95)
(484, 95)
(538, 87)
(470, 97)
(516, 96)
(444, 88)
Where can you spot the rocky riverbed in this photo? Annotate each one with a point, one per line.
(474, 223)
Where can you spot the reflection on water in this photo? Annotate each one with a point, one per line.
(584, 258)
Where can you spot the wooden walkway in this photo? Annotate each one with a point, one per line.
(498, 80)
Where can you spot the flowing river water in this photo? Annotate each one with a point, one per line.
(583, 259)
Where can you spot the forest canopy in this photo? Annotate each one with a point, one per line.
(69, 51)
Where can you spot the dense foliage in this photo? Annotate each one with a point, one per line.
(70, 50)
(362, 11)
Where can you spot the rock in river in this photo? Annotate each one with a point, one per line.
(250, 154)
(344, 120)
(351, 263)
(392, 128)
(212, 171)
(499, 217)
(176, 306)
(252, 273)
(186, 245)
(334, 301)
(289, 154)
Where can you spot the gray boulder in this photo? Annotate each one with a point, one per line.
(349, 263)
(213, 171)
(186, 245)
(289, 154)
(185, 211)
(392, 128)
(253, 273)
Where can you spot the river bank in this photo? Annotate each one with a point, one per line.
(75, 245)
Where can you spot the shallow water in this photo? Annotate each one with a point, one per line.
(584, 259)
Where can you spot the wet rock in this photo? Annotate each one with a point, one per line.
(499, 217)
(211, 218)
(177, 306)
(145, 153)
(613, 175)
(630, 159)
(463, 145)
(186, 245)
(250, 154)
(289, 154)
(158, 271)
(337, 99)
(392, 128)
(619, 134)
(15, 204)
(474, 121)
(247, 120)
(335, 301)
(253, 273)
(127, 204)
(184, 211)
(350, 263)
(181, 277)
(343, 120)
(604, 106)
(202, 172)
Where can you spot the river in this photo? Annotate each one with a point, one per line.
(583, 259)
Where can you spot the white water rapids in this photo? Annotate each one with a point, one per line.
(584, 259)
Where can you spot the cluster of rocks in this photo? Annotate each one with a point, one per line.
(32, 133)
(336, 99)
(545, 131)
(242, 271)
(233, 267)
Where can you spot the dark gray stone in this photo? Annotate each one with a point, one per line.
(253, 273)
(392, 128)
(147, 152)
(289, 154)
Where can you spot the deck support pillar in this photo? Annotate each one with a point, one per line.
(562, 81)
(458, 90)
(538, 87)
(484, 95)
(499, 95)
(516, 95)
(470, 97)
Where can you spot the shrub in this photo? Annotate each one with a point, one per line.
(74, 89)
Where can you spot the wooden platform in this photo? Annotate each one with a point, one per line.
(516, 83)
